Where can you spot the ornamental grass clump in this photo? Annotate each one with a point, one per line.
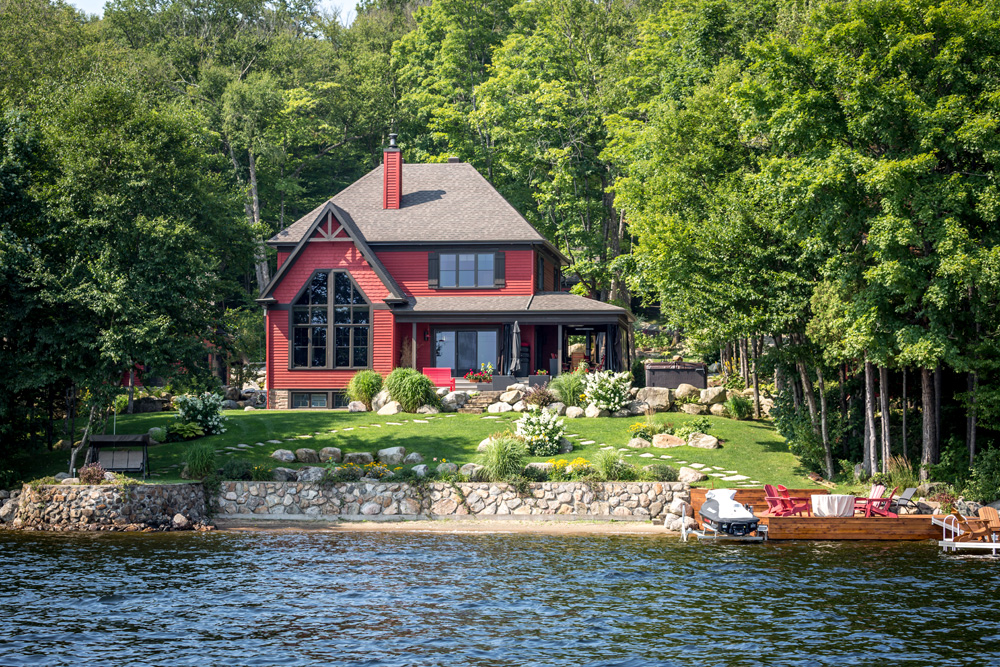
(503, 458)
(410, 389)
(200, 460)
(204, 410)
(739, 407)
(611, 467)
(541, 431)
(568, 387)
(364, 386)
(608, 390)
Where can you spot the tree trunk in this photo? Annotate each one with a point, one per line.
(842, 370)
(261, 267)
(928, 454)
(131, 388)
(883, 390)
(84, 441)
(822, 420)
(906, 454)
(810, 397)
(756, 381)
(937, 408)
(970, 426)
(871, 450)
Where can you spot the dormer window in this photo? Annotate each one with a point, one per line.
(317, 308)
(465, 270)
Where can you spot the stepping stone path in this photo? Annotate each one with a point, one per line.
(696, 465)
(420, 421)
(716, 467)
(394, 423)
(664, 456)
(303, 437)
(258, 444)
(645, 456)
(730, 472)
(716, 474)
(607, 447)
(243, 445)
(232, 449)
(586, 442)
(377, 425)
(735, 478)
(275, 442)
(349, 429)
(573, 435)
(490, 417)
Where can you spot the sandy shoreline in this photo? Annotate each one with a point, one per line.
(452, 526)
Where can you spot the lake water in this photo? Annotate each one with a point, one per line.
(274, 598)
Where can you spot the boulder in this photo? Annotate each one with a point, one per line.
(687, 391)
(427, 410)
(8, 510)
(420, 470)
(712, 395)
(249, 408)
(180, 522)
(639, 443)
(413, 457)
(483, 444)
(356, 406)
(694, 409)
(358, 458)
(442, 391)
(690, 475)
(520, 406)
(4, 494)
(147, 404)
(680, 507)
(574, 412)
(230, 405)
(517, 386)
(330, 454)
(447, 469)
(718, 409)
(666, 441)
(306, 455)
(539, 465)
(636, 408)
(60, 476)
(380, 399)
(311, 474)
(232, 394)
(390, 408)
(71, 480)
(283, 455)
(455, 398)
(658, 398)
(633, 391)
(565, 446)
(392, 456)
(703, 441)
(472, 470)
(284, 475)
(511, 397)
(593, 411)
(557, 408)
(499, 407)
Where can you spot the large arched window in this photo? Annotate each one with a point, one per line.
(331, 300)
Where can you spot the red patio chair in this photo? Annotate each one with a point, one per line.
(861, 504)
(774, 504)
(880, 506)
(441, 377)
(793, 505)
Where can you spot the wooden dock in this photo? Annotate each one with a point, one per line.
(904, 527)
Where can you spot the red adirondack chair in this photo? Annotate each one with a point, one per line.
(774, 504)
(861, 504)
(793, 505)
(441, 377)
(880, 506)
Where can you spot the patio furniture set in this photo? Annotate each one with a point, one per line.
(875, 504)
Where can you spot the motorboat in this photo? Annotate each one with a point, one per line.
(725, 518)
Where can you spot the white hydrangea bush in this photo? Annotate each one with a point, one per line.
(541, 431)
(608, 390)
(204, 410)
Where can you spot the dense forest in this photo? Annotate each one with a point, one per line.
(806, 189)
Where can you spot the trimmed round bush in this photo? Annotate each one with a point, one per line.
(364, 386)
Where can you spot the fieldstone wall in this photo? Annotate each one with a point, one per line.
(108, 507)
(636, 501)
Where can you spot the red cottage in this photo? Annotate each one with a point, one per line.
(426, 266)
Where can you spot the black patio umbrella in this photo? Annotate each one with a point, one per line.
(515, 350)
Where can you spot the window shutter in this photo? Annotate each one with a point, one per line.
(499, 271)
(433, 269)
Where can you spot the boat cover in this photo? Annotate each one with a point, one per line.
(728, 509)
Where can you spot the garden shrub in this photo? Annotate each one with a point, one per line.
(564, 470)
(984, 485)
(204, 410)
(539, 396)
(185, 431)
(608, 390)
(8, 479)
(504, 457)
(660, 472)
(541, 431)
(411, 389)
(92, 473)
(342, 473)
(364, 386)
(648, 428)
(611, 467)
(638, 373)
(739, 407)
(262, 473)
(882, 478)
(200, 460)
(568, 387)
(902, 473)
(534, 474)
(157, 433)
(237, 469)
(795, 426)
(699, 425)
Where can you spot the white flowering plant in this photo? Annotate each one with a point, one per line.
(204, 410)
(608, 390)
(541, 431)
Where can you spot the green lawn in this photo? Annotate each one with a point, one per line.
(753, 449)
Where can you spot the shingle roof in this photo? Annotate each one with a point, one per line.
(448, 203)
(544, 302)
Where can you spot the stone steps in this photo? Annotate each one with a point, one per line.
(478, 404)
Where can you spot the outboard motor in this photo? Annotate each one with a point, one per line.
(721, 512)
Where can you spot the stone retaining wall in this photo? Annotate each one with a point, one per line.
(636, 501)
(108, 507)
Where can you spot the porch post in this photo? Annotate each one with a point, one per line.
(413, 348)
(559, 355)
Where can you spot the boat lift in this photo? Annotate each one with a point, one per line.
(951, 530)
(710, 533)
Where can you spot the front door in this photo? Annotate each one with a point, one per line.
(463, 350)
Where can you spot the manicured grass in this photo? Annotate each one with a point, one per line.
(753, 449)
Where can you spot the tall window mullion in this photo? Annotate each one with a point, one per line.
(314, 344)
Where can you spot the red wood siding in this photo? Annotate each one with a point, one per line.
(410, 271)
(392, 179)
(383, 341)
(330, 255)
(548, 278)
(282, 256)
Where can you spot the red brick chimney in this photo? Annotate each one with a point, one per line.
(392, 175)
